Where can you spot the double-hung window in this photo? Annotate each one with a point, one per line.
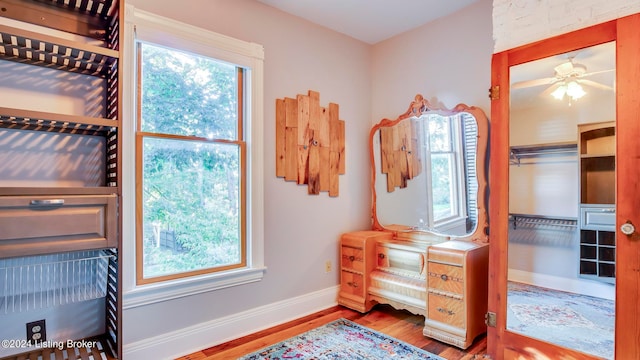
(198, 172)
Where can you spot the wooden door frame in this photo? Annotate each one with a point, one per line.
(503, 344)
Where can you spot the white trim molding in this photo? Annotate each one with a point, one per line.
(217, 331)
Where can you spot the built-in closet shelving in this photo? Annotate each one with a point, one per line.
(519, 153)
(62, 232)
(597, 201)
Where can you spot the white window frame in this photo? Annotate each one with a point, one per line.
(163, 31)
(458, 194)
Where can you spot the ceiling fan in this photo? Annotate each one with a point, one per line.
(568, 78)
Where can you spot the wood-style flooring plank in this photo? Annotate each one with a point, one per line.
(399, 324)
(273, 338)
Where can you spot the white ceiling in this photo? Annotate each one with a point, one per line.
(370, 21)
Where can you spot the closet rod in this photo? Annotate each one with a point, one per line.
(531, 151)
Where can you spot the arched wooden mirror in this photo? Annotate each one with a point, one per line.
(564, 196)
(430, 253)
(428, 171)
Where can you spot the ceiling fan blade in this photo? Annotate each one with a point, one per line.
(547, 92)
(532, 83)
(596, 72)
(595, 84)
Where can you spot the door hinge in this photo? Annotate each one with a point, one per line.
(494, 92)
(490, 319)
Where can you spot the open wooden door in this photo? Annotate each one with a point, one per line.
(501, 343)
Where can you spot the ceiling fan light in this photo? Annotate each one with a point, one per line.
(575, 90)
(559, 92)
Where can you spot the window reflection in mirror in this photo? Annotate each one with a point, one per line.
(443, 147)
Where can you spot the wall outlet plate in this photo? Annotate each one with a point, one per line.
(36, 331)
(327, 266)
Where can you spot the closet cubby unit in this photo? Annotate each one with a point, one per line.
(597, 255)
(60, 154)
(597, 145)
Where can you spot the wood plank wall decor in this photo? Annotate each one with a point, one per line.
(310, 143)
(400, 158)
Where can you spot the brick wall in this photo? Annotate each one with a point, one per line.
(519, 22)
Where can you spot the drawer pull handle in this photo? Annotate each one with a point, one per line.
(445, 311)
(381, 256)
(353, 284)
(444, 277)
(49, 202)
(351, 258)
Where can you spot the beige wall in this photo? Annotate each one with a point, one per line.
(447, 60)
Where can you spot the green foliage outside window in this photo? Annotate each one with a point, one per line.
(191, 163)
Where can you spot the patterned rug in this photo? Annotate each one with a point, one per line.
(580, 322)
(341, 339)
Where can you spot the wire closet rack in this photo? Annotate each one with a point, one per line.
(36, 282)
(538, 229)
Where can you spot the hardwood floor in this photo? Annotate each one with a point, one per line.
(401, 325)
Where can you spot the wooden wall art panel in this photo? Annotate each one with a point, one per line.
(310, 143)
(401, 159)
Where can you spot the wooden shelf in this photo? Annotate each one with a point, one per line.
(597, 163)
(596, 156)
(38, 49)
(97, 190)
(71, 124)
(95, 19)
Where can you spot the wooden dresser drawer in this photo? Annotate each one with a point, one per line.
(352, 258)
(446, 309)
(447, 278)
(351, 283)
(33, 225)
(445, 255)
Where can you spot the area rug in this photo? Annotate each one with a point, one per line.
(341, 339)
(575, 321)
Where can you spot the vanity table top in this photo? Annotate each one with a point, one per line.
(460, 245)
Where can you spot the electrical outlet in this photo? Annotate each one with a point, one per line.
(327, 266)
(36, 331)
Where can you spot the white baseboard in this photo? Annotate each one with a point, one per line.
(578, 286)
(184, 341)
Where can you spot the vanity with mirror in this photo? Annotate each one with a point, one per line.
(427, 251)
(565, 153)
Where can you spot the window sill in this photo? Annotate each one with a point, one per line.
(452, 226)
(155, 293)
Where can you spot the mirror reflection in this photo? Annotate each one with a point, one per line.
(425, 170)
(562, 200)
